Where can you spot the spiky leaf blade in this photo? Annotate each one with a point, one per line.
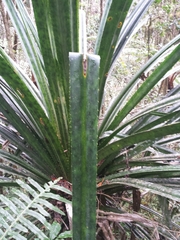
(84, 115)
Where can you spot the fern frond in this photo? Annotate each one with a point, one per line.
(29, 210)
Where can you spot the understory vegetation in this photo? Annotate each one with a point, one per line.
(90, 119)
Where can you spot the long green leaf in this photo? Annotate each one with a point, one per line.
(30, 43)
(57, 30)
(163, 170)
(113, 18)
(39, 120)
(129, 25)
(126, 93)
(32, 167)
(28, 117)
(147, 85)
(108, 153)
(143, 90)
(154, 188)
(153, 115)
(84, 115)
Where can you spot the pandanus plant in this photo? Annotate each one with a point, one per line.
(51, 127)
